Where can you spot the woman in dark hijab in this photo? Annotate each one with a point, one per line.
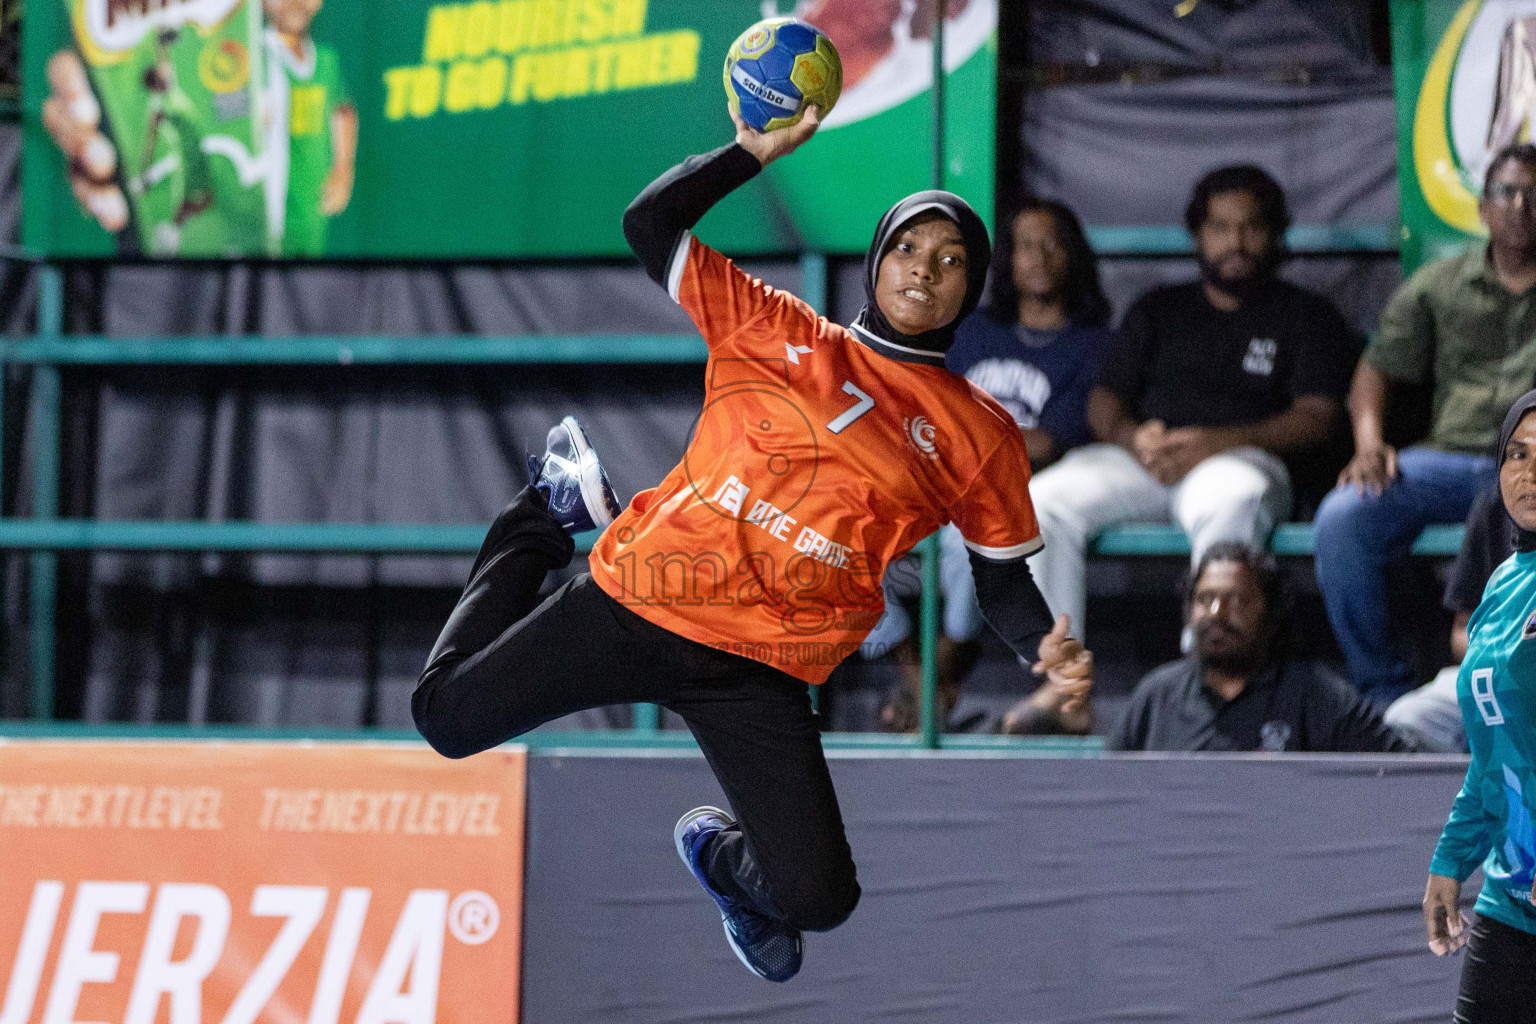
(1491, 822)
(753, 568)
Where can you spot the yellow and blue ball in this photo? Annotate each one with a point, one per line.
(777, 68)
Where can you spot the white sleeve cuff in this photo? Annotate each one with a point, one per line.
(676, 264)
(1008, 554)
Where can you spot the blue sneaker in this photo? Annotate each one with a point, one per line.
(767, 948)
(572, 480)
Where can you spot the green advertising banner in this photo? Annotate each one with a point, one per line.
(482, 129)
(1465, 77)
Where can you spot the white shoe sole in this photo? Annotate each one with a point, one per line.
(589, 473)
(689, 819)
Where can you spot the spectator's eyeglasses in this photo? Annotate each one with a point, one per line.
(1206, 600)
(1502, 193)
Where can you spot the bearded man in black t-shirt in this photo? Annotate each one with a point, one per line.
(1206, 392)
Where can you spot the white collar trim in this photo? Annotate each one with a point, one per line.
(867, 338)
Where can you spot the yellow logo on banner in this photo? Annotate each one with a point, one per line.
(479, 56)
(224, 67)
(1438, 171)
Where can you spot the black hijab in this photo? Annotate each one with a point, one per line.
(1525, 540)
(871, 326)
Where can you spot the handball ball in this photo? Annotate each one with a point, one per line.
(777, 68)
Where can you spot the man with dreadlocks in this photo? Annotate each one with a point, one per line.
(823, 452)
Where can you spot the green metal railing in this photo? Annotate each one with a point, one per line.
(555, 742)
(1304, 239)
(44, 535)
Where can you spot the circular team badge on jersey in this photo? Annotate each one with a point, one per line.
(921, 435)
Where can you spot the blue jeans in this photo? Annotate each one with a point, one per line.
(1358, 535)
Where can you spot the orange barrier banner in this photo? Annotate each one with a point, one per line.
(235, 883)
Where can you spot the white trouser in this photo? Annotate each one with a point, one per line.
(1431, 714)
(1238, 495)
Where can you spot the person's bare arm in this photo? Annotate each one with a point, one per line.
(1444, 923)
(1056, 707)
(1110, 420)
(1042, 450)
(337, 191)
(72, 116)
(1459, 636)
(151, 138)
(1375, 463)
(1306, 423)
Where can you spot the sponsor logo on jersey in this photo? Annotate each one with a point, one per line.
(1530, 628)
(921, 435)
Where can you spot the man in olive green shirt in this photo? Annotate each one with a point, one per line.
(1466, 326)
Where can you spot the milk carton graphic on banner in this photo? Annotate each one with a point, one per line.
(179, 84)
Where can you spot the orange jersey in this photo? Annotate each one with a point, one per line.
(815, 462)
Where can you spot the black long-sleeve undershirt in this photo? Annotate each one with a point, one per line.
(676, 201)
(664, 212)
(1012, 604)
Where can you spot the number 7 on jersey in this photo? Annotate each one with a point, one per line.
(862, 406)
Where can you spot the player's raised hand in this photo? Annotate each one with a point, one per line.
(1443, 919)
(769, 146)
(1063, 660)
(1057, 648)
(72, 116)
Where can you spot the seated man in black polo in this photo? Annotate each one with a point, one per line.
(1240, 689)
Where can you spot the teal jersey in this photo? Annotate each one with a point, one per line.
(1490, 823)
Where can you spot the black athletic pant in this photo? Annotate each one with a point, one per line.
(1498, 979)
(502, 667)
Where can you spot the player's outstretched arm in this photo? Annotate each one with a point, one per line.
(1012, 604)
(662, 215)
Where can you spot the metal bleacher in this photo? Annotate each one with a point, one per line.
(49, 353)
